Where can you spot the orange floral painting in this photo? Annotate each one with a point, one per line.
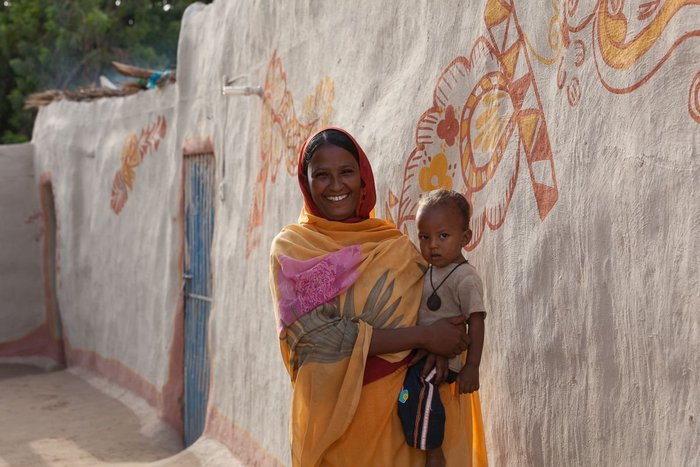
(282, 135)
(133, 152)
(628, 41)
(486, 124)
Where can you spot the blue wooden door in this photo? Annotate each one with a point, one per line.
(199, 227)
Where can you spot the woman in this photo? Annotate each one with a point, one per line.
(347, 288)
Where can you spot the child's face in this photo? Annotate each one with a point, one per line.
(441, 236)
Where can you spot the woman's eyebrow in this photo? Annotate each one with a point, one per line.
(328, 169)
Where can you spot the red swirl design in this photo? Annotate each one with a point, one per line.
(694, 98)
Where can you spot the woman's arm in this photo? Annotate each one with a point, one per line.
(446, 337)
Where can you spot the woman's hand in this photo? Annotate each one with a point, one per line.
(447, 337)
(440, 364)
(419, 355)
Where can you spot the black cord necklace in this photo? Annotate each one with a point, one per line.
(434, 301)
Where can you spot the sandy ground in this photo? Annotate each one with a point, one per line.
(71, 418)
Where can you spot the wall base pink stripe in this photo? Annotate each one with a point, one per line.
(37, 343)
(241, 444)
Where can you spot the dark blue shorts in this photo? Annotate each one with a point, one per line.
(420, 409)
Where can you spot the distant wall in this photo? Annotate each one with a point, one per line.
(20, 260)
(27, 328)
(115, 178)
(573, 129)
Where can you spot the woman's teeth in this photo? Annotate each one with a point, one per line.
(337, 198)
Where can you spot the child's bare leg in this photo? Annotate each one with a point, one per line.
(434, 458)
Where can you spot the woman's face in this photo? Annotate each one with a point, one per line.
(334, 182)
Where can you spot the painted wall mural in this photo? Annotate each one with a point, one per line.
(283, 134)
(628, 41)
(133, 152)
(486, 117)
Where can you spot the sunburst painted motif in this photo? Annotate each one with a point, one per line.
(493, 98)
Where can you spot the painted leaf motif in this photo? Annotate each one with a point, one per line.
(133, 153)
(282, 134)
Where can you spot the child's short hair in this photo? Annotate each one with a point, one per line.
(448, 198)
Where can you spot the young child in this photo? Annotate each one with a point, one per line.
(451, 287)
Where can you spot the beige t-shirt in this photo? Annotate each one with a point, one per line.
(461, 294)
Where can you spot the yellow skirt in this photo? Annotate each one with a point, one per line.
(375, 436)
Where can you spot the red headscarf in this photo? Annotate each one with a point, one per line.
(368, 196)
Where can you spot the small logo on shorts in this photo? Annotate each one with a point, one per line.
(403, 396)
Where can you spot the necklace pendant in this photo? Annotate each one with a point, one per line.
(434, 302)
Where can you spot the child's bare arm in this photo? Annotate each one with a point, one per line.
(476, 338)
(469, 375)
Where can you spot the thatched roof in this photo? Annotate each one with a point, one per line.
(147, 79)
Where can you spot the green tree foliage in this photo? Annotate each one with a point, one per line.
(68, 44)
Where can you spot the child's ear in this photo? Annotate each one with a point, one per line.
(467, 237)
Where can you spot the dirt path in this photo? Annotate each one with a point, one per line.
(60, 419)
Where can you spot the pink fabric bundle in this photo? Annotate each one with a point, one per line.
(306, 284)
